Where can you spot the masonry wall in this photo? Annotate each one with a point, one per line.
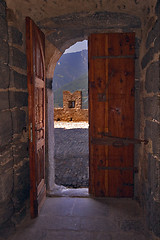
(14, 161)
(149, 166)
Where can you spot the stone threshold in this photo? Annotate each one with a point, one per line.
(61, 191)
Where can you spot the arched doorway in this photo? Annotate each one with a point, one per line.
(52, 55)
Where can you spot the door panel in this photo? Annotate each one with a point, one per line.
(111, 113)
(35, 43)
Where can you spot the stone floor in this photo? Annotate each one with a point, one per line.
(68, 218)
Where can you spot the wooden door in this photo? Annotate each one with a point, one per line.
(35, 45)
(111, 114)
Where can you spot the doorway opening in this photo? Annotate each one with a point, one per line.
(70, 86)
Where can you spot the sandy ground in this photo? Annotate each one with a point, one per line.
(70, 125)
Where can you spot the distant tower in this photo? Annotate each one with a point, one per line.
(72, 100)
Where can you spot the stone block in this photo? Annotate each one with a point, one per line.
(5, 128)
(137, 106)
(152, 132)
(157, 44)
(20, 151)
(153, 34)
(3, 2)
(19, 58)
(19, 215)
(21, 185)
(6, 185)
(18, 99)
(4, 51)
(19, 81)
(7, 229)
(4, 100)
(157, 8)
(153, 177)
(15, 35)
(137, 46)
(2, 9)
(137, 69)
(147, 57)
(19, 120)
(3, 29)
(152, 107)
(152, 83)
(4, 76)
(6, 162)
(155, 219)
(6, 211)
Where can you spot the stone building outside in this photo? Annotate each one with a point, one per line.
(72, 108)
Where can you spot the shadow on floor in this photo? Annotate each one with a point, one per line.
(68, 218)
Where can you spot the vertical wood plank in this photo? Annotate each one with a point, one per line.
(98, 104)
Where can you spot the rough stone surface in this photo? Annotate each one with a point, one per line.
(4, 76)
(75, 97)
(5, 127)
(70, 114)
(96, 21)
(150, 181)
(6, 185)
(19, 59)
(155, 221)
(71, 154)
(6, 211)
(15, 35)
(148, 57)
(152, 107)
(4, 51)
(152, 83)
(18, 99)
(20, 151)
(2, 9)
(157, 8)
(72, 108)
(153, 34)
(6, 162)
(7, 229)
(152, 131)
(4, 99)
(19, 80)
(157, 44)
(3, 29)
(19, 120)
(22, 186)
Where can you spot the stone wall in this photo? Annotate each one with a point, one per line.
(150, 115)
(71, 113)
(14, 161)
(6, 129)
